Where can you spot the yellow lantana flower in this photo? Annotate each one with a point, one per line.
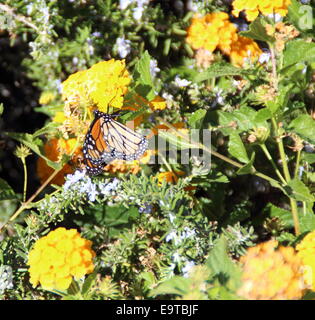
(158, 103)
(58, 257)
(252, 8)
(211, 31)
(103, 85)
(306, 251)
(215, 31)
(244, 49)
(271, 273)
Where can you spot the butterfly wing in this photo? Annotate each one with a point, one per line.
(107, 140)
(123, 142)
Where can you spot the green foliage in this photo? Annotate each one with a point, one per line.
(153, 239)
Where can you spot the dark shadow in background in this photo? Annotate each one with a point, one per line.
(19, 97)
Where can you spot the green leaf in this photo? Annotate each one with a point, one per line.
(118, 215)
(304, 126)
(143, 79)
(176, 285)
(1, 108)
(293, 12)
(178, 141)
(34, 144)
(262, 116)
(297, 51)
(257, 31)
(6, 192)
(300, 15)
(307, 222)
(248, 167)
(284, 215)
(244, 118)
(237, 149)
(196, 119)
(308, 157)
(51, 127)
(88, 283)
(219, 69)
(297, 190)
(220, 262)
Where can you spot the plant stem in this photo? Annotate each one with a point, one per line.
(25, 204)
(265, 150)
(165, 162)
(25, 20)
(287, 176)
(220, 156)
(25, 179)
(297, 163)
(274, 78)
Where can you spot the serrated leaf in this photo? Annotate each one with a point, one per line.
(307, 222)
(6, 192)
(297, 51)
(257, 31)
(219, 261)
(142, 77)
(196, 119)
(304, 126)
(297, 190)
(262, 115)
(284, 215)
(293, 12)
(237, 149)
(219, 69)
(176, 285)
(248, 167)
(244, 118)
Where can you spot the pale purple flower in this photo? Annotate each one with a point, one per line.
(123, 47)
(73, 178)
(181, 82)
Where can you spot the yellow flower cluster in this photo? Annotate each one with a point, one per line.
(252, 8)
(58, 257)
(215, 31)
(306, 251)
(244, 49)
(103, 85)
(54, 149)
(271, 274)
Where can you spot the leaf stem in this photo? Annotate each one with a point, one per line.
(286, 173)
(267, 154)
(220, 156)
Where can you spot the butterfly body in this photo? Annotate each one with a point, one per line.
(107, 140)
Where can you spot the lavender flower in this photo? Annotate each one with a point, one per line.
(181, 82)
(123, 47)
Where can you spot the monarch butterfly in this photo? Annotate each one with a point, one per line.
(107, 140)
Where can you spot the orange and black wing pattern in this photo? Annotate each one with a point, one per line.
(107, 140)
